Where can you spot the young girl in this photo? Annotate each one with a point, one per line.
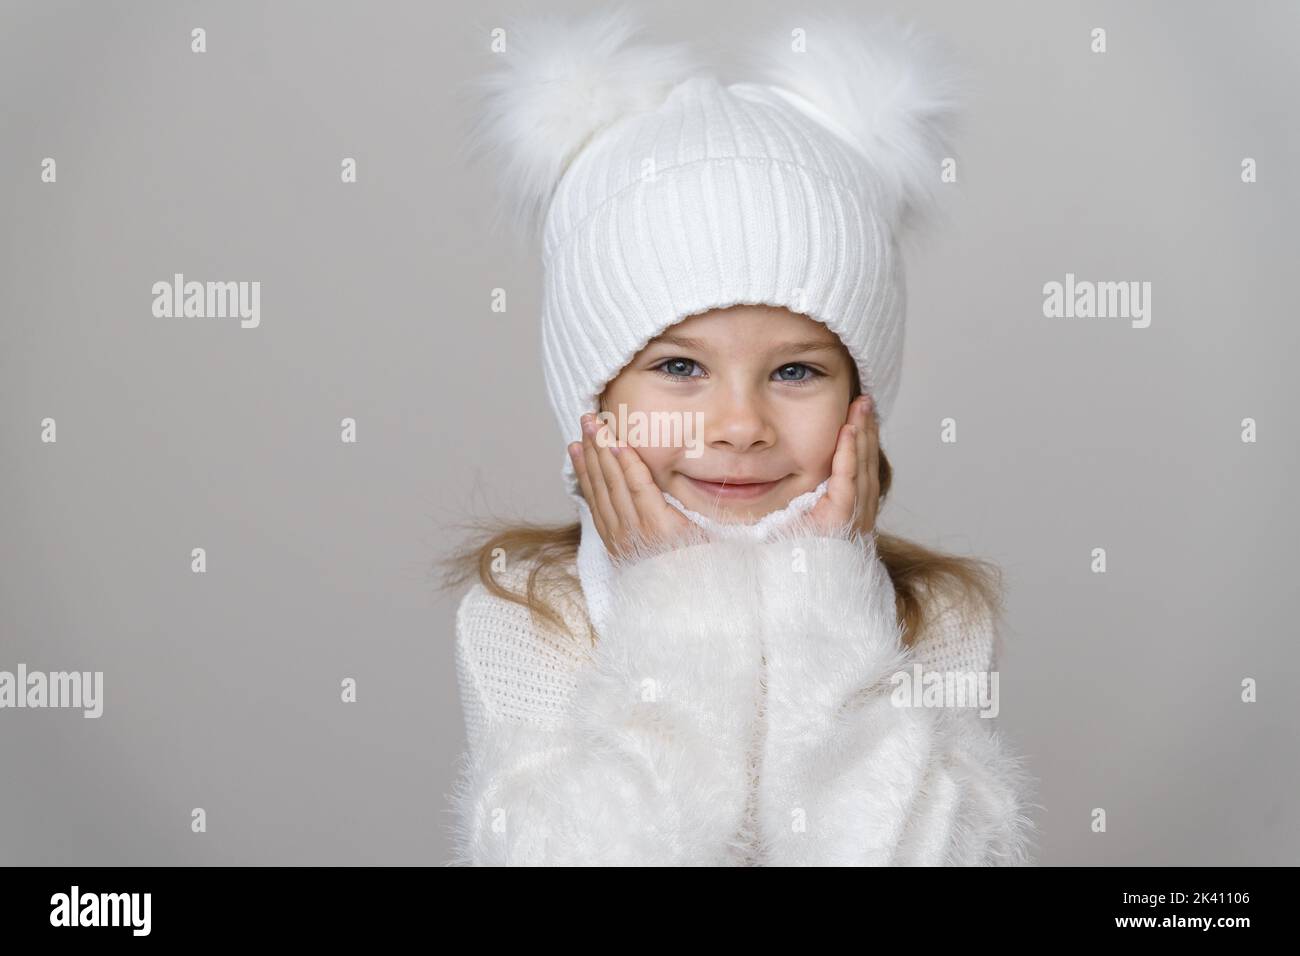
(709, 667)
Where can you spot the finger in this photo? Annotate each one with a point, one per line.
(873, 459)
(584, 482)
(590, 453)
(842, 488)
(619, 495)
(647, 496)
(862, 481)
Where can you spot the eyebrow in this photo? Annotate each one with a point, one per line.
(797, 348)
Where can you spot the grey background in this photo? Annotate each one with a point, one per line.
(222, 689)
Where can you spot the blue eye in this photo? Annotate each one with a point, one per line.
(796, 373)
(812, 373)
(669, 367)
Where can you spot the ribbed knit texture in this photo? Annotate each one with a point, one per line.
(722, 196)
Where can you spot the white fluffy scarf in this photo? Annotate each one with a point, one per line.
(595, 567)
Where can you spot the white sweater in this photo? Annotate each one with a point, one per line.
(736, 710)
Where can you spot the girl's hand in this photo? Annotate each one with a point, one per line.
(854, 490)
(627, 506)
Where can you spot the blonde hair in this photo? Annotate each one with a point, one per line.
(914, 569)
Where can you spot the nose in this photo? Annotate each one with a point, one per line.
(737, 420)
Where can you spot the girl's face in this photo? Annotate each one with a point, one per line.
(757, 394)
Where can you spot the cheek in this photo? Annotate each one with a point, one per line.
(660, 461)
(811, 439)
(641, 399)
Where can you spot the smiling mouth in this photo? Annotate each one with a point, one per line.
(733, 490)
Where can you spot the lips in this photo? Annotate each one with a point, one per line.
(733, 488)
(733, 481)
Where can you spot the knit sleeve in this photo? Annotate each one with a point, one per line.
(649, 764)
(960, 636)
(508, 668)
(851, 773)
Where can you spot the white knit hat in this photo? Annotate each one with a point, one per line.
(660, 192)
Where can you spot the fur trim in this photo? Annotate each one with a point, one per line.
(890, 90)
(562, 80)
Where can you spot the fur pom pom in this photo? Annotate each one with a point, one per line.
(889, 89)
(561, 80)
